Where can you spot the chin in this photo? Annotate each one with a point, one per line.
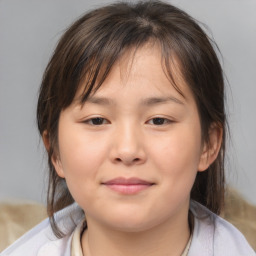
(130, 223)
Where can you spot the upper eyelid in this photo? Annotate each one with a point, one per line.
(90, 117)
(167, 120)
(87, 120)
(162, 117)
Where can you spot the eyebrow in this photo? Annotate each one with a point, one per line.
(161, 100)
(100, 100)
(147, 101)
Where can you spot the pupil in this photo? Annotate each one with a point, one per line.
(158, 121)
(97, 121)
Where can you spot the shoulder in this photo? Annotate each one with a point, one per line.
(41, 240)
(213, 235)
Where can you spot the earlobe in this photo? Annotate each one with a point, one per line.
(211, 150)
(54, 158)
(57, 165)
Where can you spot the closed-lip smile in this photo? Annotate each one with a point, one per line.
(128, 186)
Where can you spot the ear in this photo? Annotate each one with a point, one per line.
(55, 159)
(211, 150)
(46, 140)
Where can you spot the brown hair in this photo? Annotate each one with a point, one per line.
(88, 50)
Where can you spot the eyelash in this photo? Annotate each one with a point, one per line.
(97, 121)
(163, 121)
(101, 121)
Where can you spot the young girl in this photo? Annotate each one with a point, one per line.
(131, 112)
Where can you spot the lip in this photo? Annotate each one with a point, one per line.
(128, 186)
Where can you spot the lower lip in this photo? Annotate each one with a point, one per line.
(128, 189)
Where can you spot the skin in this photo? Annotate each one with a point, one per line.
(135, 135)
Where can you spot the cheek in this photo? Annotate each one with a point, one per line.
(81, 157)
(80, 152)
(177, 156)
(80, 170)
(179, 150)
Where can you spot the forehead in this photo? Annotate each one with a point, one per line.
(147, 66)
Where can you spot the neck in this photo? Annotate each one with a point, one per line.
(168, 238)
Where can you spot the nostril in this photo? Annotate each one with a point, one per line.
(127, 161)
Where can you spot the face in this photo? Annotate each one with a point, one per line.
(130, 154)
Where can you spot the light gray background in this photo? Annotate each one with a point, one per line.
(29, 30)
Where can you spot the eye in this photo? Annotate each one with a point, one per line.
(159, 121)
(96, 121)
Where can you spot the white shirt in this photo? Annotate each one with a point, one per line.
(212, 236)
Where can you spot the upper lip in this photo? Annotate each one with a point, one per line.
(127, 181)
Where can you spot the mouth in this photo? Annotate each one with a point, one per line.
(128, 186)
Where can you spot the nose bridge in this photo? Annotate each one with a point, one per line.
(128, 138)
(128, 144)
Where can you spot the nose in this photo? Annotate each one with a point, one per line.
(128, 146)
